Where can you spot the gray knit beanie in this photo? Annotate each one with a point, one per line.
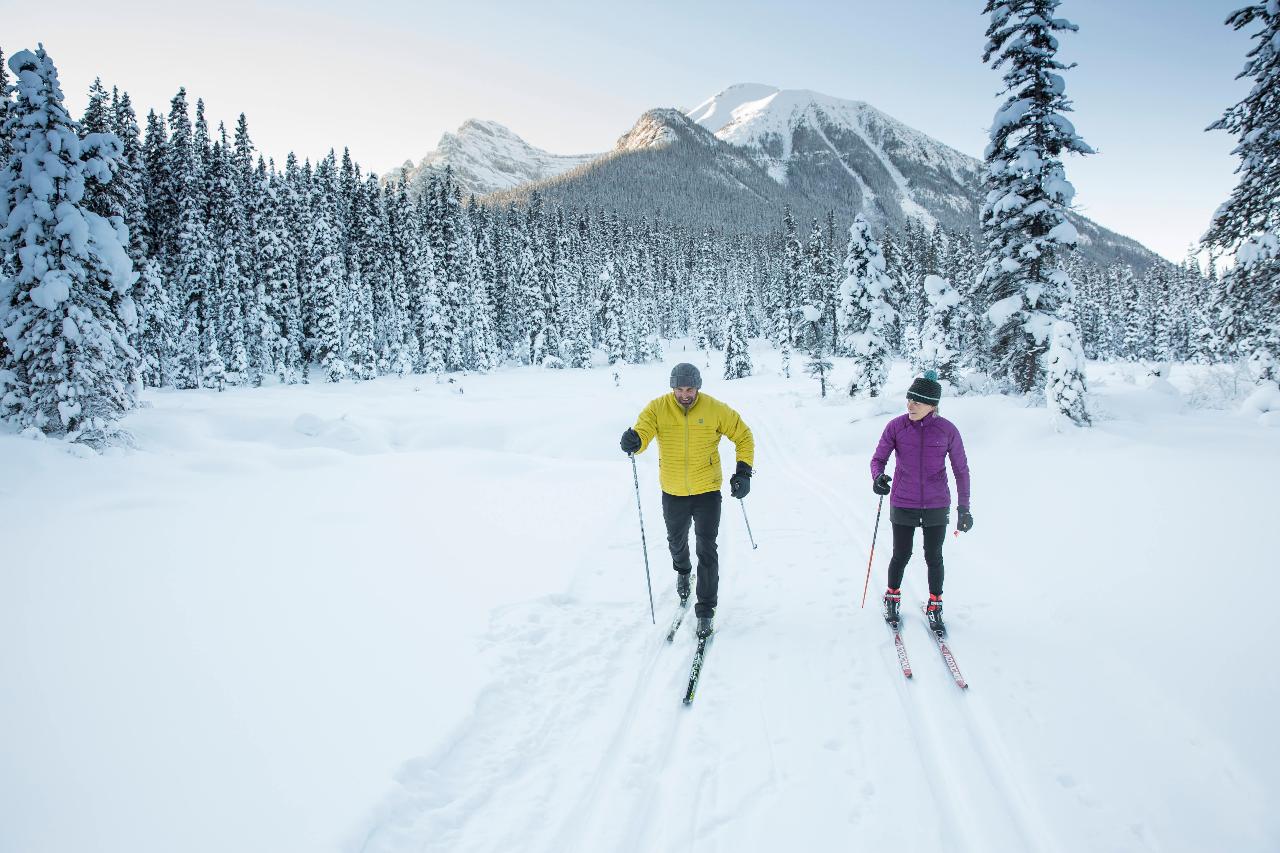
(685, 375)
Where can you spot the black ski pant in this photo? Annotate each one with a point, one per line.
(703, 511)
(903, 534)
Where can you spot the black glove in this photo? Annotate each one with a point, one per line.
(965, 522)
(881, 484)
(630, 442)
(740, 482)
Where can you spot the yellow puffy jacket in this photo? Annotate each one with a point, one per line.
(688, 461)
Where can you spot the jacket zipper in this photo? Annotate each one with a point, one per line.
(920, 469)
(687, 488)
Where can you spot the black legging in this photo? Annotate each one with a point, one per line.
(903, 534)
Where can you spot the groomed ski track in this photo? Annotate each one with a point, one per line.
(803, 735)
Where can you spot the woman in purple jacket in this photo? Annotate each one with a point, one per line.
(920, 497)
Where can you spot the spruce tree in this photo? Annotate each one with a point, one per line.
(866, 311)
(818, 366)
(6, 100)
(66, 309)
(6, 261)
(188, 254)
(792, 278)
(1024, 213)
(1134, 340)
(737, 355)
(613, 308)
(940, 338)
(428, 317)
(361, 357)
(1248, 223)
(327, 273)
(157, 215)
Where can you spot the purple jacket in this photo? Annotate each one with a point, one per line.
(920, 473)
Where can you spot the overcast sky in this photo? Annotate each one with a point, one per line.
(388, 78)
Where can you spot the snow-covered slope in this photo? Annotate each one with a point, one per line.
(487, 157)
(387, 616)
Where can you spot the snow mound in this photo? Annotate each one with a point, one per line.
(308, 425)
(1265, 403)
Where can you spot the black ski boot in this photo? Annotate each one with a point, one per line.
(892, 601)
(704, 627)
(933, 610)
(682, 587)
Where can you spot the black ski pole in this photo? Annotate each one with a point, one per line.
(643, 542)
(754, 546)
(867, 583)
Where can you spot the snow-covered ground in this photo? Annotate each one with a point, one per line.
(407, 616)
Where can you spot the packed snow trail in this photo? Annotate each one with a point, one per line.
(797, 713)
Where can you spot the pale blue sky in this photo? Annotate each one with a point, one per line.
(387, 78)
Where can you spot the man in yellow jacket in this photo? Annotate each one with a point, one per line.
(688, 425)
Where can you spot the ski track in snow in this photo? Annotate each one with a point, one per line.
(973, 819)
(658, 776)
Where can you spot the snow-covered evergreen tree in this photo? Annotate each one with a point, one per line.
(426, 288)
(479, 337)
(131, 178)
(6, 260)
(818, 366)
(1065, 390)
(1024, 213)
(737, 356)
(1130, 292)
(5, 100)
(66, 310)
(613, 309)
(213, 370)
(1248, 223)
(578, 334)
(866, 314)
(940, 338)
(103, 198)
(361, 357)
(327, 273)
(792, 280)
(158, 335)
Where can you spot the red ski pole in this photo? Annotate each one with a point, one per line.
(874, 534)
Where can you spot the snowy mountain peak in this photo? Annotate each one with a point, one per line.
(487, 156)
(659, 128)
(897, 170)
(748, 110)
(717, 111)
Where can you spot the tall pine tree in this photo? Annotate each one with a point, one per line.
(67, 309)
(1248, 223)
(1024, 213)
